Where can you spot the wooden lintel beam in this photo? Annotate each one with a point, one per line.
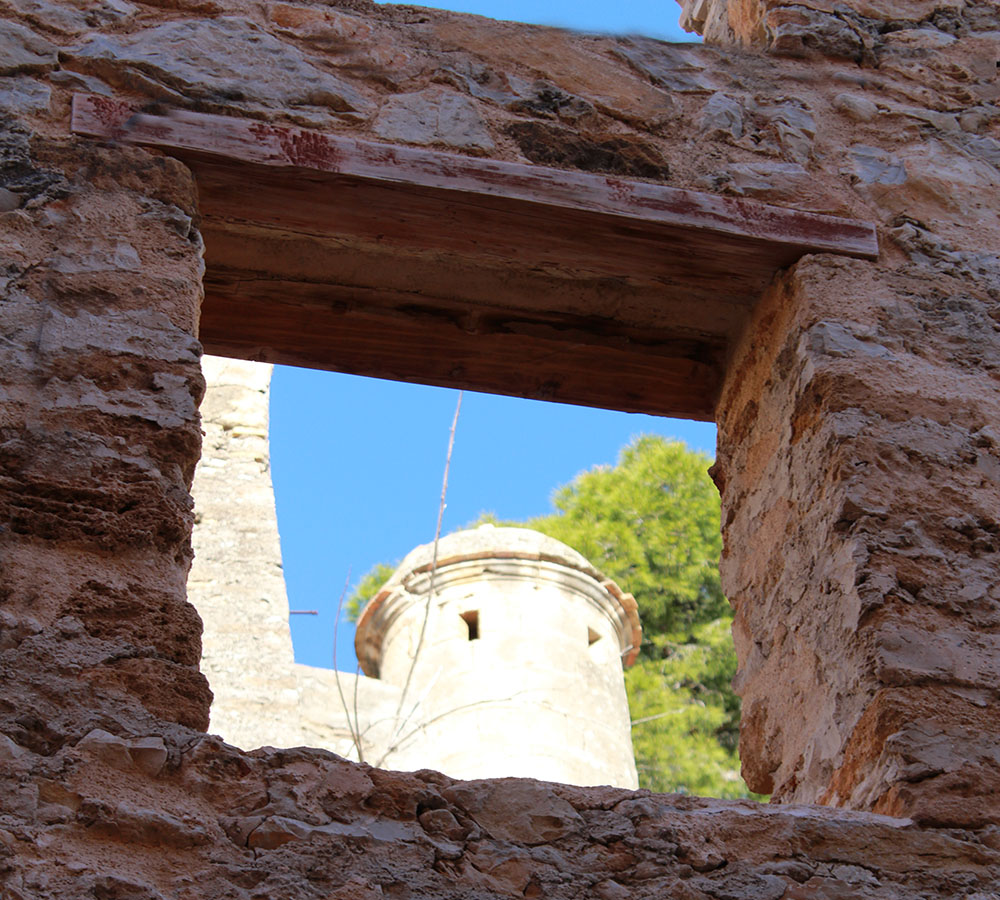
(346, 330)
(398, 262)
(259, 143)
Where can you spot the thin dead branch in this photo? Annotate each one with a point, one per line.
(430, 589)
(662, 715)
(352, 722)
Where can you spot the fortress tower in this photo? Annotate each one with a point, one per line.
(510, 652)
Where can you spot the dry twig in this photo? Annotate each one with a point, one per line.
(430, 589)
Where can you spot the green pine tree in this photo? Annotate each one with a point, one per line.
(651, 523)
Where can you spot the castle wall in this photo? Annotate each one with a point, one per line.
(857, 459)
(236, 581)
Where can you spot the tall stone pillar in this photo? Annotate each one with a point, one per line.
(236, 582)
(859, 465)
(100, 285)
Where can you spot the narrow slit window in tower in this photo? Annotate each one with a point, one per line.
(471, 618)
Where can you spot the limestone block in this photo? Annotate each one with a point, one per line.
(521, 810)
(149, 754)
(143, 825)
(63, 19)
(435, 116)
(617, 91)
(82, 82)
(795, 129)
(224, 59)
(23, 50)
(673, 67)
(923, 181)
(857, 106)
(918, 40)
(106, 747)
(771, 181)
(24, 96)
(330, 29)
(799, 31)
(722, 116)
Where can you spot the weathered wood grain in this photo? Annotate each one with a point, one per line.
(405, 338)
(283, 146)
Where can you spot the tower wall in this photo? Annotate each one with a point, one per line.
(511, 661)
(261, 697)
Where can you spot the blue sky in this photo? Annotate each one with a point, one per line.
(654, 18)
(357, 463)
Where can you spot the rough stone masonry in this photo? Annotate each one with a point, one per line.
(859, 452)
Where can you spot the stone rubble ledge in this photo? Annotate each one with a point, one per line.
(201, 818)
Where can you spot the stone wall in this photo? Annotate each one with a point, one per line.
(888, 651)
(101, 285)
(236, 581)
(858, 454)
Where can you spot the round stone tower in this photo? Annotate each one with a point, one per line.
(511, 663)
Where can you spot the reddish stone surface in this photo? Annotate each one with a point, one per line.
(867, 685)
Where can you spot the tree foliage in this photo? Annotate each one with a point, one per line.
(367, 588)
(685, 716)
(651, 523)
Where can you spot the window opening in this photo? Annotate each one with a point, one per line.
(345, 432)
(471, 619)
